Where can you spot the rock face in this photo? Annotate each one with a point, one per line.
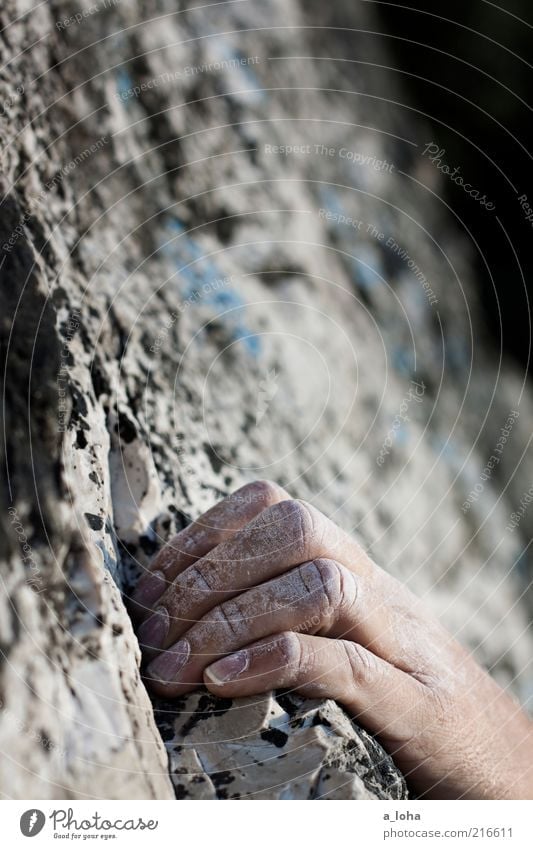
(223, 261)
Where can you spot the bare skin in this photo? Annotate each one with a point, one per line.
(264, 592)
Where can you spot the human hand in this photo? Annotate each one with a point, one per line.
(264, 592)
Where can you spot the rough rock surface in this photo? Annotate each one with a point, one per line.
(281, 747)
(178, 317)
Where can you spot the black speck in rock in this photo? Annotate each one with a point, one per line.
(275, 736)
(149, 546)
(81, 440)
(181, 791)
(220, 778)
(94, 522)
(125, 428)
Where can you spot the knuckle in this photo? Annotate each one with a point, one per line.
(191, 587)
(364, 667)
(197, 573)
(284, 510)
(221, 627)
(290, 648)
(263, 492)
(299, 517)
(229, 619)
(338, 585)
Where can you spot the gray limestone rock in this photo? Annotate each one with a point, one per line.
(273, 747)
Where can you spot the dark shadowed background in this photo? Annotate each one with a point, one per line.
(468, 68)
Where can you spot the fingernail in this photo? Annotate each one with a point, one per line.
(153, 632)
(150, 588)
(228, 668)
(168, 665)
